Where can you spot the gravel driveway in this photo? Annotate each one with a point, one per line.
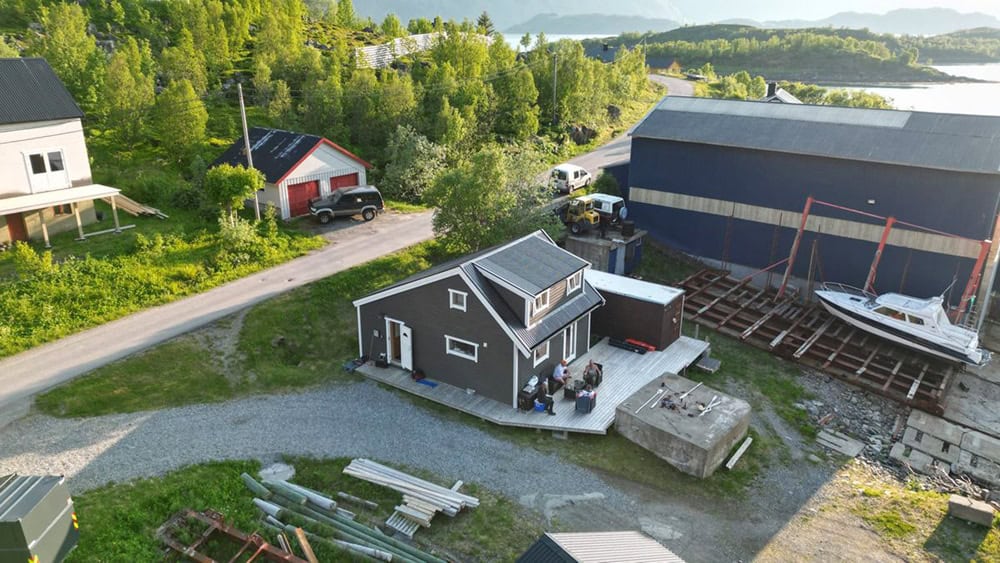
(356, 420)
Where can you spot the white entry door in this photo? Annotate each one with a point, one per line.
(569, 342)
(406, 347)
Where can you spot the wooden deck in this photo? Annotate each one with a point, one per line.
(624, 373)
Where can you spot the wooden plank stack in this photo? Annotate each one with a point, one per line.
(421, 499)
(135, 208)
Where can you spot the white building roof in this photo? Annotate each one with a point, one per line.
(32, 202)
(620, 547)
(631, 287)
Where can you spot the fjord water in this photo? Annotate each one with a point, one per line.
(971, 98)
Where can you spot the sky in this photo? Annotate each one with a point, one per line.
(704, 11)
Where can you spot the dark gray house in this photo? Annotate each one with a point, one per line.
(486, 322)
(728, 180)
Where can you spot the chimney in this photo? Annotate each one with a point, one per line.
(772, 89)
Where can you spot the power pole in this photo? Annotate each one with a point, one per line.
(555, 84)
(246, 143)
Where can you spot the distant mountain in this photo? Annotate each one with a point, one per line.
(594, 24)
(909, 21)
(508, 13)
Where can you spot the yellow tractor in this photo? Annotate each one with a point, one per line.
(579, 214)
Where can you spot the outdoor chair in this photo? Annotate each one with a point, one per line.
(586, 404)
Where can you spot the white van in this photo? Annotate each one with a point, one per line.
(569, 177)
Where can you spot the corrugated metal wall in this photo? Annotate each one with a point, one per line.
(959, 203)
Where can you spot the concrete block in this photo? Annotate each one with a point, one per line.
(974, 511)
(931, 445)
(937, 427)
(694, 444)
(982, 445)
(978, 467)
(918, 460)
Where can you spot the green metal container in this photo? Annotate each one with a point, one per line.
(37, 521)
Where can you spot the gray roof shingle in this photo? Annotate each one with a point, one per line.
(962, 143)
(31, 91)
(532, 264)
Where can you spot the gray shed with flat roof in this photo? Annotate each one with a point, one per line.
(36, 518)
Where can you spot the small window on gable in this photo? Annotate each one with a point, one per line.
(457, 299)
(541, 353)
(541, 302)
(461, 348)
(573, 282)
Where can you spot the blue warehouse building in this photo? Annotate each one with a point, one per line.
(727, 181)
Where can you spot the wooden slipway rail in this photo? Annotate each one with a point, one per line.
(807, 334)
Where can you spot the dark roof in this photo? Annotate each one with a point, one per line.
(31, 91)
(276, 152)
(545, 551)
(532, 264)
(541, 251)
(553, 321)
(963, 143)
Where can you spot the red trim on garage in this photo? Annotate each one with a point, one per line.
(299, 196)
(332, 145)
(345, 181)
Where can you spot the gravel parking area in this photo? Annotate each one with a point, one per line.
(357, 420)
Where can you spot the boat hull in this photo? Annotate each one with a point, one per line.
(895, 335)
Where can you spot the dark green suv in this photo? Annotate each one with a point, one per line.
(344, 202)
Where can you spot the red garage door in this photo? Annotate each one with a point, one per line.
(344, 181)
(299, 196)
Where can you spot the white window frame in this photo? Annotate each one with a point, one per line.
(574, 282)
(447, 348)
(62, 176)
(452, 293)
(535, 308)
(539, 360)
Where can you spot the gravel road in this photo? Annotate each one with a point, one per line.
(355, 420)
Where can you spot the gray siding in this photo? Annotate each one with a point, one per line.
(556, 352)
(426, 311)
(514, 301)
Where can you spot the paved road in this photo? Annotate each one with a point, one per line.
(31, 372)
(619, 149)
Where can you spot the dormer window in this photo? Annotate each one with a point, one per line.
(457, 299)
(541, 302)
(573, 282)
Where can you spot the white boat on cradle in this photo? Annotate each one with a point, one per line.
(920, 324)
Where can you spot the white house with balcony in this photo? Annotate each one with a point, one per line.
(45, 180)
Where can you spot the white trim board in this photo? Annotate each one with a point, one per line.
(631, 287)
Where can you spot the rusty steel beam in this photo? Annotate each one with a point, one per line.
(870, 282)
(795, 249)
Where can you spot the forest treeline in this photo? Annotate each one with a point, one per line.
(821, 54)
(161, 75)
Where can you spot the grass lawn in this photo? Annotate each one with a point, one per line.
(118, 522)
(284, 343)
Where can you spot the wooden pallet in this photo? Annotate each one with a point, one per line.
(809, 335)
(402, 524)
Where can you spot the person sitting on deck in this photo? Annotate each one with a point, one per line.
(587, 392)
(546, 398)
(591, 373)
(560, 374)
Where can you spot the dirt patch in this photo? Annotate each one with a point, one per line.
(221, 340)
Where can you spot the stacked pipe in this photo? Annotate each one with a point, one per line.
(282, 510)
(421, 498)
